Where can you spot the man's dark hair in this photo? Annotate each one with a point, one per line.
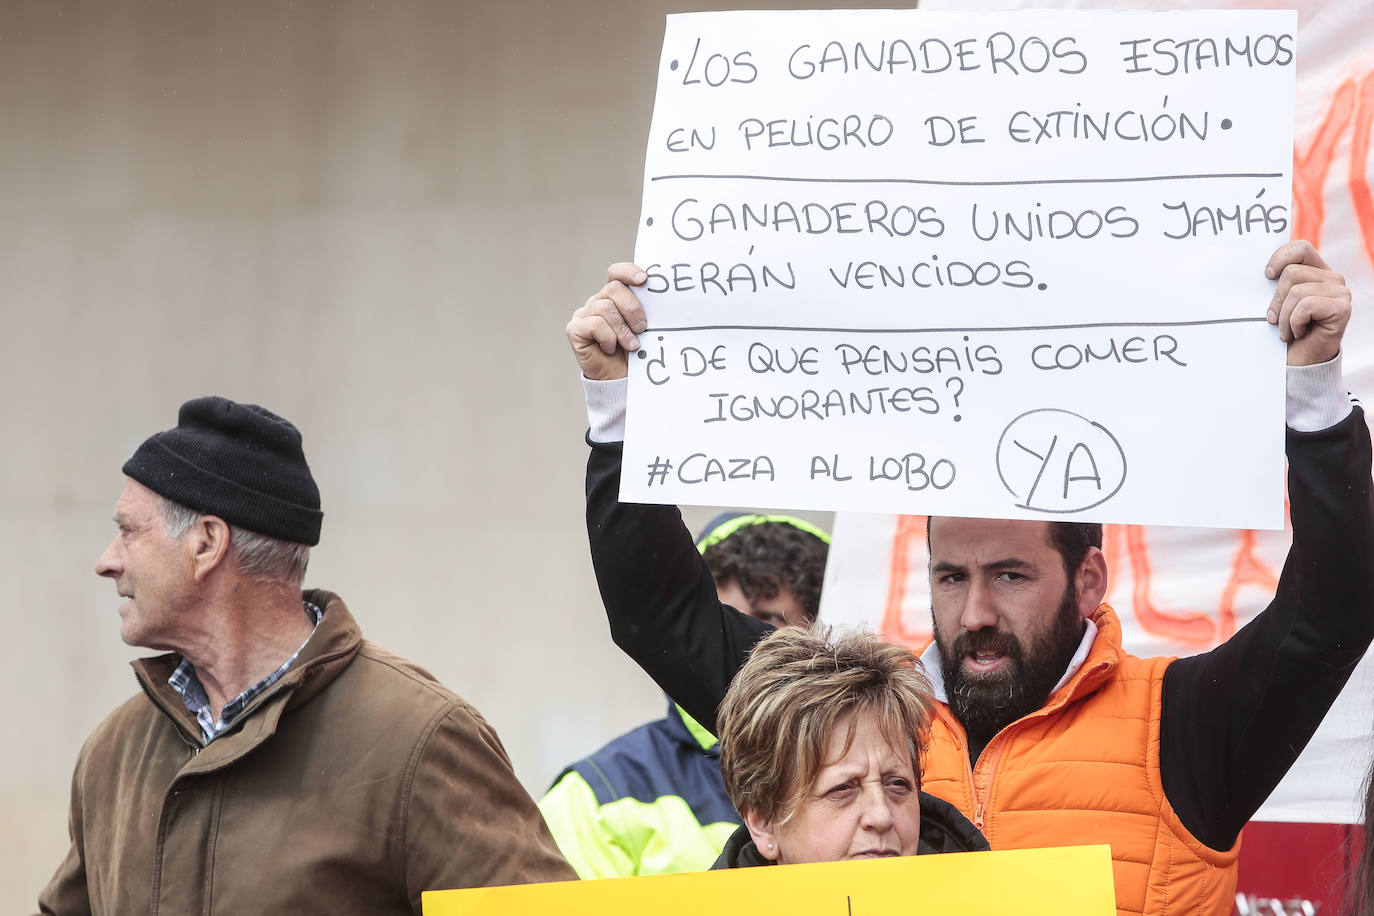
(1070, 539)
(768, 557)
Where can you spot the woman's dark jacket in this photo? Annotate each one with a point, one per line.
(943, 829)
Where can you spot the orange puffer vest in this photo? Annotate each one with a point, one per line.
(1085, 769)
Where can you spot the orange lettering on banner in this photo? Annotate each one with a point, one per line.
(1195, 628)
(1352, 105)
(1360, 195)
(1246, 569)
(1189, 628)
(1310, 171)
(910, 533)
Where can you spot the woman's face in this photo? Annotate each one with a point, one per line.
(863, 804)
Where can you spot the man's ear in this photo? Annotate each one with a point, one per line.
(210, 545)
(1091, 582)
(764, 837)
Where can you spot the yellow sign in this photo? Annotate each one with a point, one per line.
(1063, 881)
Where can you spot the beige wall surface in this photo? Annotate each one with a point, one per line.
(373, 218)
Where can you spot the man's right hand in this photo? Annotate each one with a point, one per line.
(603, 331)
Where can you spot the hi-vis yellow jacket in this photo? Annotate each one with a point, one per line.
(649, 803)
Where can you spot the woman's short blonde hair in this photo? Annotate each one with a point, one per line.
(776, 718)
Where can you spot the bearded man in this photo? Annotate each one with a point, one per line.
(995, 671)
(1047, 732)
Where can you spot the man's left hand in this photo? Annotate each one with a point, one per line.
(1311, 304)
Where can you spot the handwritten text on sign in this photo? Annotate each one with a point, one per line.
(1067, 881)
(993, 264)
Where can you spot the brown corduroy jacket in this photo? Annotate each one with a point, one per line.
(350, 786)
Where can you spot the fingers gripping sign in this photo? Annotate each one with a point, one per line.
(605, 329)
(1311, 304)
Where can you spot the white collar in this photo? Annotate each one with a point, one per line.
(930, 661)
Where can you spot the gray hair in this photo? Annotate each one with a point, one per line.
(264, 559)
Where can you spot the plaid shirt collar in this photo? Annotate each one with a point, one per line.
(185, 683)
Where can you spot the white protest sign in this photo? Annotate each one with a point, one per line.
(991, 264)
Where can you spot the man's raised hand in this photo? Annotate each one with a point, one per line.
(1311, 303)
(605, 329)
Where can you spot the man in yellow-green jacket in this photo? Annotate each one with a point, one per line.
(651, 802)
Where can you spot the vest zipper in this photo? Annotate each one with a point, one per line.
(982, 790)
(976, 796)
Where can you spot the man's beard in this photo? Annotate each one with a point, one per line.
(985, 704)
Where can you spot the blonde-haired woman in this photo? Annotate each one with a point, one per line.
(821, 737)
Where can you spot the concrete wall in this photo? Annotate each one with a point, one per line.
(371, 217)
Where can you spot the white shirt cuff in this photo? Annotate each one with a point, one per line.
(1317, 396)
(606, 408)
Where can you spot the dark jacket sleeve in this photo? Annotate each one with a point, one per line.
(659, 595)
(67, 893)
(1236, 718)
(466, 820)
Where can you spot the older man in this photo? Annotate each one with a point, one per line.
(275, 761)
(1047, 732)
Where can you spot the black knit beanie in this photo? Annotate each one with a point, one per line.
(237, 461)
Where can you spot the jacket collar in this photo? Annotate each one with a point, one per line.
(329, 650)
(689, 730)
(1100, 664)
